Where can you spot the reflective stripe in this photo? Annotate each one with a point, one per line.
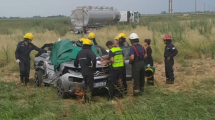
(135, 49)
(118, 57)
(82, 58)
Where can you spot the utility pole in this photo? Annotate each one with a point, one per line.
(170, 7)
(209, 8)
(204, 7)
(195, 6)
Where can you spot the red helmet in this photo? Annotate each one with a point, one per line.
(167, 37)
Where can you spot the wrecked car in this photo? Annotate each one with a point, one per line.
(58, 70)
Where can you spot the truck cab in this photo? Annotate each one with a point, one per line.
(129, 16)
(134, 16)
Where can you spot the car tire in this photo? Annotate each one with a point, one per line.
(38, 79)
(60, 91)
(46, 85)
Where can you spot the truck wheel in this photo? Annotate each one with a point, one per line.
(38, 79)
(60, 91)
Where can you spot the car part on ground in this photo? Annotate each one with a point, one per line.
(38, 78)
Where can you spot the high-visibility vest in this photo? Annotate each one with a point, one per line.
(118, 57)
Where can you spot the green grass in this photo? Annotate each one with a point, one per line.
(59, 25)
(20, 103)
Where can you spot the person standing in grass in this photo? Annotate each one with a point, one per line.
(87, 60)
(138, 66)
(169, 54)
(148, 54)
(122, 43)
(116, 63)
(117, 38)
(22, 55)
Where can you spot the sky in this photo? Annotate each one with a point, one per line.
(29, 8)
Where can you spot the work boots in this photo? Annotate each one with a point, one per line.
(125, 90)
(136, 92)
(87, 96)
(26, 81)
(22, 81)
(169, 81)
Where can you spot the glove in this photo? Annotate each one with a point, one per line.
(18, 61)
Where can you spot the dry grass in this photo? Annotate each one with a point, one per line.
(187, 50)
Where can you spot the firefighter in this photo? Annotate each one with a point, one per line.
(92, 37)
(122, 40)
(87, 60)
(22, 53)
(117, 40)
(148, 55)
(138, 66)
(169, 54)
(122, 43)
(116, 62)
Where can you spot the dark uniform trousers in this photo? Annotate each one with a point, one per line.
(85, 57)
(88, 77)
(138, 74)
(169, 69)
(114, 76)
(124, 77)
(170, 51)
(24, 71)
(22, 53)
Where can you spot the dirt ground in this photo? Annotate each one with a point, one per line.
(185, 76)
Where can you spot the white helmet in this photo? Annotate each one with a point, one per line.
(133, 36)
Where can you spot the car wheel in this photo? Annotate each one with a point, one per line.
(46, 85)
(38, 78)
(60, 91)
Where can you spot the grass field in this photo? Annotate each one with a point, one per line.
(191, 97)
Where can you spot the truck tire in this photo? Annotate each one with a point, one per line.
(38, 79)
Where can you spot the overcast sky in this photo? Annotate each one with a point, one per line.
(29, 8)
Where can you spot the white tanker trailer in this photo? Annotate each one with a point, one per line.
(86, 17)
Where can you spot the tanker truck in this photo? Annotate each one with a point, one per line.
(84, 18)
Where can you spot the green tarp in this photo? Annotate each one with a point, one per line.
(64, 51)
